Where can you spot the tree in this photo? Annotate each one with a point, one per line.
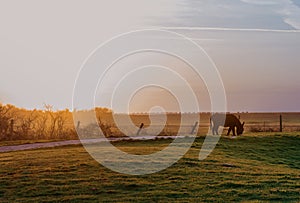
(27, 125)
(6, 115)
(61, 122)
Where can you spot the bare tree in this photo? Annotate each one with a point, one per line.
(61, 122)
(6, 115)
(27, 125)
(53, 120)
(41, 125)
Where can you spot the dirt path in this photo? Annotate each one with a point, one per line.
(75, 142)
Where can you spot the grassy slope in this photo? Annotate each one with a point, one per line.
(243, 169)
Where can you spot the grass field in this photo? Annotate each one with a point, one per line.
(255, 167)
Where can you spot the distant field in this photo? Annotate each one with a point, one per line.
(255, 122)
(255, 167)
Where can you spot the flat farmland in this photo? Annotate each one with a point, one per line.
(171, 122)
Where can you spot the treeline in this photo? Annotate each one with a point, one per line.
(21, 124)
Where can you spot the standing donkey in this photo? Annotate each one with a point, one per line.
(226, 120)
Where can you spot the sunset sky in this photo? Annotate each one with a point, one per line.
(255, 45)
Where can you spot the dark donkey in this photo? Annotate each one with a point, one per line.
(230, 121)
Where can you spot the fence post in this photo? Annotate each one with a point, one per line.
(78, 125)
(280, 123)
(139, 130)
(194, 127)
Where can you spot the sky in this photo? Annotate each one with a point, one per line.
(255, 45)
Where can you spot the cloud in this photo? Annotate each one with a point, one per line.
(289, 11)
(257, 14)
(292, 15)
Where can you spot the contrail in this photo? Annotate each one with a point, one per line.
(227, 29)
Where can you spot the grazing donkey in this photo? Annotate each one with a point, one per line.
(226, 120)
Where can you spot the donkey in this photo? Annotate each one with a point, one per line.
(226, 120)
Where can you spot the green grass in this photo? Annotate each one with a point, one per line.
(249, 168)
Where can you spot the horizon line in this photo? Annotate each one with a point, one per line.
(88, 109)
